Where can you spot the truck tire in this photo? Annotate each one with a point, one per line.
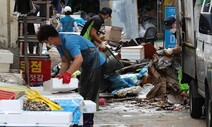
(196, 103)
(208, 109)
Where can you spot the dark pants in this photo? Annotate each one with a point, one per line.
(88, 117)
(90, 80)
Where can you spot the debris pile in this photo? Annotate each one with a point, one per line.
(160, 70)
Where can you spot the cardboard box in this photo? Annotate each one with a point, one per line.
(132, 53)
(6, 58)
(149, 50)
(113, 33)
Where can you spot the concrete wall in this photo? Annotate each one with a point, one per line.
(9, 30)
(124, 15)
(8, 24)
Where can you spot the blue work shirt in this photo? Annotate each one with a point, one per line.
(75, 44)
(64, 20)
(80, 21)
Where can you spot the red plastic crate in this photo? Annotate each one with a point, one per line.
(6, 95)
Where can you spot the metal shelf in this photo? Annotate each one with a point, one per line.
(24, 39)
(29, 38)
(34, 19)
(35, 56)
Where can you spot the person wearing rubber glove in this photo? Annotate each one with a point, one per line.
(77, 53)
(92, 27)
(66, 77)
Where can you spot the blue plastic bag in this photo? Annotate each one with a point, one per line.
(73, 106)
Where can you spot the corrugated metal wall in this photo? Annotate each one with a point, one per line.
(124, 15)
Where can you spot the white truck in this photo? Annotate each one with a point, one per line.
(195, 36)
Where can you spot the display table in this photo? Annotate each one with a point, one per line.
(11, 113)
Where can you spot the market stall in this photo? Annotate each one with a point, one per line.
(38, 107)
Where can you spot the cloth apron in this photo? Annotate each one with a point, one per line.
(90, 77)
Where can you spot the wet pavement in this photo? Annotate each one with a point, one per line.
(121, 114)
(130, 114)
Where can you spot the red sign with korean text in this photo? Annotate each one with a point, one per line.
(39, 70)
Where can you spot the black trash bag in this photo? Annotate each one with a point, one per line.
(116, 82)
(113, 65)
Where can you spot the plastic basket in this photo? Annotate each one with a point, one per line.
(6, 95)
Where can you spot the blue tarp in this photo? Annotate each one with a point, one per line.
(73, 106)
(124, 81)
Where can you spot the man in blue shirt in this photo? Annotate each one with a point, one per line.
(77, 52)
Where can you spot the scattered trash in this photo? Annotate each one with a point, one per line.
(102, 102)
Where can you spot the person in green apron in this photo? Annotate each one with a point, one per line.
(92, 27)
(77, 52)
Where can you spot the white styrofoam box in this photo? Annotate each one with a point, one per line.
(4, 67)
(76, 16)
(57, 96)
(89, 107)
(12, 78)
(14, 74)
(56, 85)
(6, 56)
(55, 117)
(132, 53)
(11, 105)
(31, 117)
(37, 117)
(15, 118)
(3, 118)
(64, 96)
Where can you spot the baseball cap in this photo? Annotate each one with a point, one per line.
(169, 21)
(67, 8)
(106, 10)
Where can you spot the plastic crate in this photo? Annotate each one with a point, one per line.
(6, 95)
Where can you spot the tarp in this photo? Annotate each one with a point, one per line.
(74, 106)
